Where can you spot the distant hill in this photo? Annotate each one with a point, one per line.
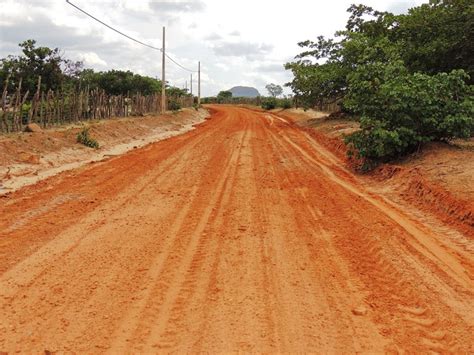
(244, 91)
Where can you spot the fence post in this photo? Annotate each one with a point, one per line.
(34, 103)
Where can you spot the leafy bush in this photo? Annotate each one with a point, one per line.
(269, 103)
(400, 111)
(25, 110)
(174, 105)
(285, 103)
(84, 138)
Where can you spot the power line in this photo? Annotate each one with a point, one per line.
(129, 37)
(175, 62)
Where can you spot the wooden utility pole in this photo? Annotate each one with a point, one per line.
(163, 79)
(191, 85)
(199, 83)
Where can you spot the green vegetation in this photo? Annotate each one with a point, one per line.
(118, 82)
(84, 137)
(59, 73)
(285, 103)
(408, 77)
(269, 103)
(174, 105)
(274, 90)
(224, 97)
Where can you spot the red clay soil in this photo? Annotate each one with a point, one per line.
(242, 235)
(31, 155)
(437, 180)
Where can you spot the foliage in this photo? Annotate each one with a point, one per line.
(224, 97)
(274, 90)
(36, 61)
(172, 91)
(174, 105)
(406, 76)
(407, 110)
(438, 37)
(118, 82)
(84, 137)
(269, 103)
(60, 73)
(285, 103)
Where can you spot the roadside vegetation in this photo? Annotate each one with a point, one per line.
(41, 85)
(85, 138)
(407, 78)
(60, 73)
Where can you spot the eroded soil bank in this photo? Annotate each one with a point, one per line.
(26, 158)
(438, 180)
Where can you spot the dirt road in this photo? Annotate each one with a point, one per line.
(243, 234)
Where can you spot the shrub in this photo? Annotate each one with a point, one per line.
(401, 111)
(285, 103)
(174, 105)
(269, 103)
(83, 137)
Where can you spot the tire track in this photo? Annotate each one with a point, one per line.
(392, 283)
(170, 298)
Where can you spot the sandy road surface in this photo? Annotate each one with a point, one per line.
(243, 234)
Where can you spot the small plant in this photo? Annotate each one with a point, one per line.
(83, 137)
(196, 107)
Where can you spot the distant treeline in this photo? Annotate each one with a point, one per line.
(409, 78)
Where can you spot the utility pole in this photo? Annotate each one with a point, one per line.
(191, 85)
(199, 83)
(163, 79)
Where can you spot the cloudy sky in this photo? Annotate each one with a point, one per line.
(244, 42)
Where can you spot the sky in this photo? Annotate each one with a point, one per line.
(244, 42)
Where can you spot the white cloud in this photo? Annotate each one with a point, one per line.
(236, 46)
(249, 50)
(92, 59)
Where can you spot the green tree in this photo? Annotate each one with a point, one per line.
(407, 76)
(274, 90)
(438, 37)
(34, 62)
(224, 96)
(119, 82)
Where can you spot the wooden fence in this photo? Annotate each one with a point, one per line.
(58, 107)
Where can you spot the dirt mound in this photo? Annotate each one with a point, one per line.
(33, 128)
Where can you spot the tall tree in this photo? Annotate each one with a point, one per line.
(274, 90)
(224, 96)
(33, 62)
